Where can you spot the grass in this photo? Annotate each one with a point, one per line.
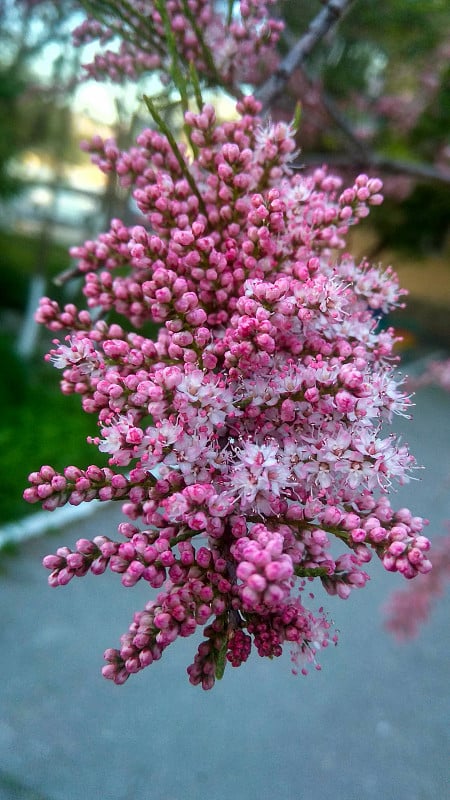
(21, 256)
(38, 426)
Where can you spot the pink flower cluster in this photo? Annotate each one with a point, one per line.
(436, 373)
(407, 609)
(255, 421)
(226, 51)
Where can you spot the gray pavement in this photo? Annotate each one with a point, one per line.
(374, 723)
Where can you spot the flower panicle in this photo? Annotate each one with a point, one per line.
(247, 439)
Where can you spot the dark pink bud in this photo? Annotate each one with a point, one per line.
(47, 473)
(64, 576)
(94, 474)
(75, 561)
(85, 546)
(99, 565)
(72, 473)
(53, 562)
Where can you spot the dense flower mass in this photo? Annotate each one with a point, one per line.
(246, 442)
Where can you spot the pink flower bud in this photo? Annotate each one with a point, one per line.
(53, 562)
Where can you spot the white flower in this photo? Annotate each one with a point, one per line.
(79, 353)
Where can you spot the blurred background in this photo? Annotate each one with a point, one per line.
(375, 97)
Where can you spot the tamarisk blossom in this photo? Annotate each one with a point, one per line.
(252, 430)
(225, 51)
(408, 608)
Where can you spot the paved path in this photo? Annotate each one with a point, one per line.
(373, 724)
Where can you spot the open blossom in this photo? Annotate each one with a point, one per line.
(257, 476)
(79, 353)
(253, 427)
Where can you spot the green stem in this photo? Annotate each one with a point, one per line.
(103, 10)
(230, 12)
(195, 81)
(310, 572)
(206, 52)
(183, 537)
(178, 77)
(176, 151)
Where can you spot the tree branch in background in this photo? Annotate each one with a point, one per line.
(319, 27)
(373, 161)
(415, 170)
(67, 275)
(364, 156)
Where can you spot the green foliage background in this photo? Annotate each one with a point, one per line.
(39, 426)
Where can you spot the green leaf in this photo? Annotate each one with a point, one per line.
(221, 659)
(195, 81)
(297, 116)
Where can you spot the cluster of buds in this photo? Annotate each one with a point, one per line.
(408, 608)
(240, 48)
(254, 422)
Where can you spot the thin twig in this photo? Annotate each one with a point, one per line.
(371, 160)
(415, 170)
(363, 156)
(325, 20)
(205, 50)
(67, 275)
(344, 125)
